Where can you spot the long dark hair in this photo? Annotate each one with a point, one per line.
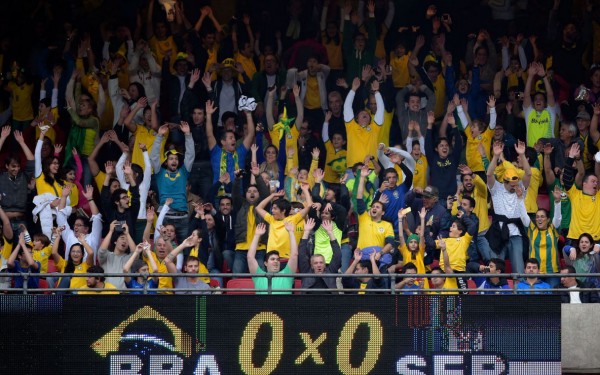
(70, 267)
(46, 170)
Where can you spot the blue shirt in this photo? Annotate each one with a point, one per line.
(215, 160)
(32, 282)
(395, 204)
(525, 288)
(133, 284)
(172, 185)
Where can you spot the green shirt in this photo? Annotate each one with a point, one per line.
(261, 283)
(565, 205)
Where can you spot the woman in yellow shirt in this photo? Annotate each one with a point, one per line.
(75, 263)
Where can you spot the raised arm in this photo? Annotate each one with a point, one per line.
(249, 138)
(169, 260)
(379, 114)
(251, 254)
(155, 153)
(293, 260)
(190, 150)
(497, 149)
(520, 147)
(19, 138)
(348, 111)
(260, 209)
(139, 105)
(269, 107)
(210, 135)
(557, 217)
(299, 106)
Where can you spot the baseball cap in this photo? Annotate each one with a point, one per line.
(228, 63)
(431, 192)
(583, 115)
(510, 174)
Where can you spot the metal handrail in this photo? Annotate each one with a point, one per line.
(392, 289)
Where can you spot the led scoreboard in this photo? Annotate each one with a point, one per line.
(262, 335)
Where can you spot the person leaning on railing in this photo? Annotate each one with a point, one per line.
(315, 264)
(137, 265)
(97, 284)
(363, 267)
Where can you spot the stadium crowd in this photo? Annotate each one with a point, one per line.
(321, 137)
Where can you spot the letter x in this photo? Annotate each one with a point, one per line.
(312, 348)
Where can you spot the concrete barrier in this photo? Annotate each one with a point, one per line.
(580, 338)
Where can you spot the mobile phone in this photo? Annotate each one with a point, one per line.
(406, 210)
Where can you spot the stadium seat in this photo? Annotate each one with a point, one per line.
(508, 268)
(43, 284)
(52, 267)
(471, 285)
(297, 285)
(240, 284)
(543, 201)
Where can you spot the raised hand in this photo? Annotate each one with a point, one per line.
(355, 84)
(296, 91)
(315, 153)
(206, 80)
(364, 171)
(194, 77)
(185, 127)
(5, 132)
(491, 103)
(574, 151)
(210, 107)
(520, 147)
(127, 168)
(109, 167)
(422, 213)
(142, 102)
(357, 254)
(498, 148)
(309, 224)
(319, 175)
(557, 194)
(548, 149)
(88, 193)
(168, 201)
(150, 214)
(289, 226)
(66, 190)
(375, 85)
(18, 136)
(162, 131)
(58, 148)
(327, 225)
(384, 199)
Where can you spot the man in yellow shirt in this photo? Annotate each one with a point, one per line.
(281, 208)
(362, 132)
(374, 234)
(96, 284)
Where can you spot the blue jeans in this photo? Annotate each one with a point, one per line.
(514, 249)
(201, 178)
(228, 256)
(240, 262)
(213, 269)
(483, 246)
(346, 256)
(181, 227)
